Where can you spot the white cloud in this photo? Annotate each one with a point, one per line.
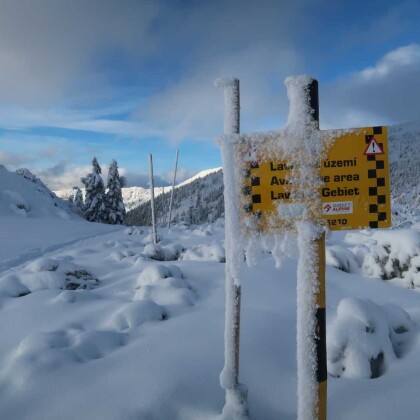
(51, 51)
(401, 58)
(62, 176)
(385, 93)
(21, 118)
(242, 39)
(182, 174)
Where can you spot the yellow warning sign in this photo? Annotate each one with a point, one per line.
(354, 186)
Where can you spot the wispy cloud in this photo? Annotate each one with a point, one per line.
(387, 92)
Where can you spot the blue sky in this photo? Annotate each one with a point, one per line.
(124, 78)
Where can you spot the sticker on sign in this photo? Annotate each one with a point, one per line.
(338, 207)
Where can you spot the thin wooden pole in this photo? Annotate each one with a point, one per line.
(152, 200)
(173, 189)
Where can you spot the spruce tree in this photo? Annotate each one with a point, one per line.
(77, 198)
(114, 201)
(95, 207)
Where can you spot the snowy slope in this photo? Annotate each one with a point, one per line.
(143, 339)
(23, 194)
(405, 172)
(33, 220)
(202, 174)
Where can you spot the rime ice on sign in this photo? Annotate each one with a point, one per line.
(352, 177)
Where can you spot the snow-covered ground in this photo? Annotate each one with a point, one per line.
(99, 323)
(96, 329)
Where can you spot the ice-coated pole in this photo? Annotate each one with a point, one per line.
(311, 337)
(229, 378)
(173, 188)
(152, 199)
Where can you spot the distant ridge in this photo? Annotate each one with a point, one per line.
(135, 196)
(205, 189)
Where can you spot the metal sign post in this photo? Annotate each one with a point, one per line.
(305, 180)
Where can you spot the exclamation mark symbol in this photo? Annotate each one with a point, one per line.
(373, 147)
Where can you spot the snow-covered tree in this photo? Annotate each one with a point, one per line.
(114, 201)
(95, 206)
(77, 198)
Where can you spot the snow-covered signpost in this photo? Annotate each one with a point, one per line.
(236, 406)
(297, 179)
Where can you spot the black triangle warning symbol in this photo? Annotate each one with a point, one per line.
(373, 148)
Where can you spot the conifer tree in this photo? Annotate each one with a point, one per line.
(95, 207)
(114, 201)
(78, 198)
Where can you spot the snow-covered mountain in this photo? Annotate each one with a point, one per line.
(23, 194)
(195, 202)
(135, 196)
(404, 159)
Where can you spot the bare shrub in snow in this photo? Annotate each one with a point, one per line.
(47, 273)
(80, 279)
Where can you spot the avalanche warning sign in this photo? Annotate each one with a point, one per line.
(354, 187)
(373, 148)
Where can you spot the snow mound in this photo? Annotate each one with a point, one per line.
(212, 252)
(165, 286)
(47, 351)
(11, 286)
(366, 338)
(155, 274)
(137, 313)
(163, 251)
(46, 273)
(23, 194)
(133, 231)
(394, 255)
